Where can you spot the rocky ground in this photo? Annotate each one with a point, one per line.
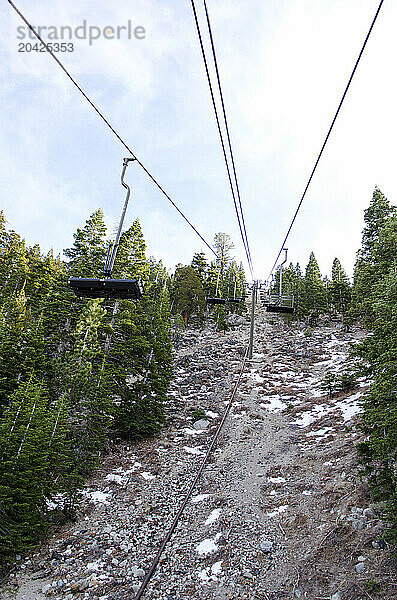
(279, 513)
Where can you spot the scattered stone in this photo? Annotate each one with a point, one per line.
(137, 572)
(358, 524)
(266, 545)
(379, 544)
(80, 586)
(201, 424)
(360, 567)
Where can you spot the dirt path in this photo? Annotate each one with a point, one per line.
(279, 513)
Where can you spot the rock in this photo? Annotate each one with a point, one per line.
(337, 596)
(356, 510)
(80, 586)
(247, 574)
(369, 513)
(201, 424)
(361, 559)
(358, 524)
(266, 545)
(203, 389)
(46, 588)
(360, 567)
(378, 544)
(236, 320)
(137, 572)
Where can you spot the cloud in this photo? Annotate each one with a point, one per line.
(283, 65)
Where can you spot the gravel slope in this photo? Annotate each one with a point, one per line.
(279, 513)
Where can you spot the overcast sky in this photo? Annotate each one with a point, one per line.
(284, 65)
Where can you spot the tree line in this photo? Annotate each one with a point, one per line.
(78, 373)
(222, 277)
(371, 301)
(74, 372)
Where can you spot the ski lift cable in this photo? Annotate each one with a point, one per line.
(221, 135)
(192, 486)
(112, 129)
(227, 131)
(327, 136)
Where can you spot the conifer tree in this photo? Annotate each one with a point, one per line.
(188, 293)
(379, 450)
(32, 443)
(87, 255)
(366, 270)
(339, 288)
(314, 295)
(200, 265)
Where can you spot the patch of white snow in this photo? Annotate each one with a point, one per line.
(215, 514)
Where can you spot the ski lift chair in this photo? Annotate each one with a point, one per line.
(127, 289)
(280, 304)
(216, 301)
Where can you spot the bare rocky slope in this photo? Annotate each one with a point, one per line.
(280, 512)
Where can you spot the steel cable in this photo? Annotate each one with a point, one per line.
(112, 129)
(188, 494)
(221, 134)
(326, 138)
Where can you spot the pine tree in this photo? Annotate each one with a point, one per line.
(366, 270)
(375, 301)
(339, 288)
(87, 255)
(32, 444)
(200, 265)
(188, 293)
(314, 295)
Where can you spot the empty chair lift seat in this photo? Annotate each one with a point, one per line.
(216, 301)
(280, 304)
(128, 289)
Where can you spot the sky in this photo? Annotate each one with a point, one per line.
(284, 65)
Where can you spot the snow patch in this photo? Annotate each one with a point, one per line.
(114, 478)
(211, 415)
(274, 405)
(321, 432)
(199, 498)
(211, 573)
(349, 406)
(213, 516)
(192, 431)
(194, 451)
(278, 510)
(148, 476)
(98, 497)
(206, 547)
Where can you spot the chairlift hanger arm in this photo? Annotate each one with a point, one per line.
(113, 249)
